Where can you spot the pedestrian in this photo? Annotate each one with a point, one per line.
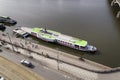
(25, 42)
(32, 45)
(36, 46)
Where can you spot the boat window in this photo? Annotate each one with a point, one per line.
(76, 46)
(82, 47)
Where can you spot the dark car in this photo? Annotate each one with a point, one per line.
(27, 63)
(2, 27)
(7, 20)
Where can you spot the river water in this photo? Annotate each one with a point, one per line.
(91, 20)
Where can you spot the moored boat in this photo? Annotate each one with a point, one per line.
(7, 20)
(53, 36)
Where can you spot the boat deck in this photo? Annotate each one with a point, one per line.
(20, 32)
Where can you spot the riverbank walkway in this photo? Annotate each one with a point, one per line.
(85, 69)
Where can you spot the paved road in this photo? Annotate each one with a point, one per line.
(47, 73)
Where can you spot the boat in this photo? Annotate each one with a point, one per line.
(62, 39)
(7, 20)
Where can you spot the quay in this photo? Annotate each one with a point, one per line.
(83, 69)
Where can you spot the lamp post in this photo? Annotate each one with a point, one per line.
(10, 41)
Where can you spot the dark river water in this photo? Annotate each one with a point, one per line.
(91, 20)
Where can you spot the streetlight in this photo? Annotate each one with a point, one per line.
(10, 41)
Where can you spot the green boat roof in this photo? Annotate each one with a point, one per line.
(36, 30)
(54, 32)
(48, 36)
(80, 42)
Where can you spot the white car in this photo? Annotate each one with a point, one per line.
(27, 63)
(1, 78)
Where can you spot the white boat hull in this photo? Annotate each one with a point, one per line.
(88, 48)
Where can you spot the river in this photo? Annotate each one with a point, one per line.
(91, 20)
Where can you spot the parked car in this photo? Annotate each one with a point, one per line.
(2, 78)
(27, 63)
(7, 20)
